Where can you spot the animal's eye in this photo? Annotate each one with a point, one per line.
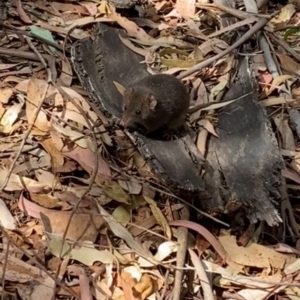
(124, 107)
(138, 112)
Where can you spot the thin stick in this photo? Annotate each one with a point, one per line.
(34, 117)
(260, 24)
(40, 265)
(4, 269)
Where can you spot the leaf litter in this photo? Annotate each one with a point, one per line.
(112, 233)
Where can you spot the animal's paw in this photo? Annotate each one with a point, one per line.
(170, 135)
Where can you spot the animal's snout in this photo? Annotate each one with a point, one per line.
(132, 126)
(125, 124)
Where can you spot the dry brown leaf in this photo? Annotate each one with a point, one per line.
(90, 7)
(132, 186)
(85, 291)
(212, 45)
(22, 71)
(56, 20)
(284, 248)
(9, 118)
(291, 175)
(22, 86)
(56, 139)
(48, 8)
(142, 226)
(121, 232)
(2, 111)
(194, 29)
(83, 226)
(105, 135)
(288, 63)
(159, 217)
(81, 102)
(159, 5)
(115, 192)
(254, 287)
(76, 34)
(151, 56)
(143, 167)
(32, 102)
(127, 282)
(279, 100)
(5, 94)
(40, 159)
(6, 218)
(122, 215)
(7, 66)
(255, 255)
(196, 55)
(202, 275)
(131, 28)
(86, 158)
(103, 291)
(17, 270)
(30, 208)
(170, 40)
(211, 239)
(186, 8)
(177, 58)
(57, 159)
(71, 113)
(295, 164)
(13, 79)
(277, 82)
(46, 178)
(132, 47)
(22, 14)
(285, 132)
(45, 200)
(68, 7)
(225, 68)
(66, 75)
(205, 123)
(165, 249)
(27, 230)
(285, 15)
(202, 97)
(172, 71)
(173, 16)
(68, 196)
(78, 138)
(145, 287)
(8, 146)
(103, 8)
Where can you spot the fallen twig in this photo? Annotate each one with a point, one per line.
(15, 30)
(39, 264)
(23, 54)
(206, 286)
(182, 239)
(234, 26)
(260, 24)
(285, 46)
(34, 117)
(211, 239)
(234, 12)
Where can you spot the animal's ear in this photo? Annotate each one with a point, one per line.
(120, 88)
(128, 92)
(152, 102)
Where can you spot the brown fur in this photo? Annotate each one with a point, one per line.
(153, 102)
